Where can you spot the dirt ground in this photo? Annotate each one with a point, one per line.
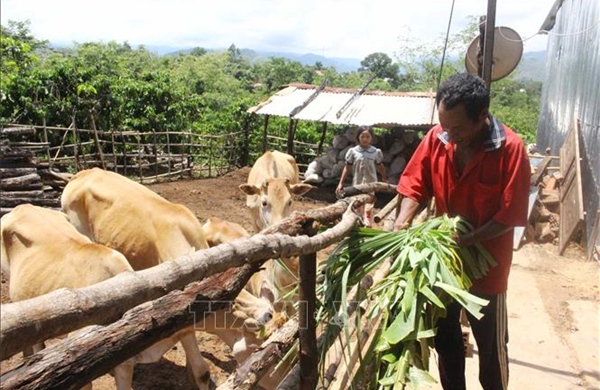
(560, 281)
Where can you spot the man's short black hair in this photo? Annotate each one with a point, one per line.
(464, 88)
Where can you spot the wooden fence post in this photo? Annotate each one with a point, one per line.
(124, 153)
(139, 159)
(168, 154)
(265, 129)
(47, 143)
(114, 152)
(75, 149)
(309, 352)
(97, 140)
(154, 150)
(320, 147)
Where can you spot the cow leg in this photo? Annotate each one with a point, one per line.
(195, 363)
(123, 374)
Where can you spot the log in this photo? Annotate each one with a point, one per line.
(368, 188)
(8, 162)
(17, 130)
(79, 360)
(294, 224)
(292, 380)
(363, 340)
(540, 170)
(62, 311)
(48, 175)
(20, 181)
(12, 172)
(358, 346)
(42, 202)
(16, 153)
(21, 194)
(387, 209)
(247, 375)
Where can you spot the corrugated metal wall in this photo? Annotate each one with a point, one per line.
(572, 89)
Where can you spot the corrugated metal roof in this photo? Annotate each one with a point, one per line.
(371, 108)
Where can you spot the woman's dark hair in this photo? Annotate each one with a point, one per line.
(467, 89)
(361, 130)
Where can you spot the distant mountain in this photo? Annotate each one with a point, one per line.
(532, 66)
(340, 64)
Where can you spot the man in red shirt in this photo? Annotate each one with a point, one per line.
(477, 168)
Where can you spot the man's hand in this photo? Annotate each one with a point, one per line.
(464, 240)
(400, 226)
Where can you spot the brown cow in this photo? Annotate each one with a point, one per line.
(148, 230)
(41, 252)
(272, 182)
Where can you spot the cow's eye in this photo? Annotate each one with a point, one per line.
(289, 203)
(264, 203)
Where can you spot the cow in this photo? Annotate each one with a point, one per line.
(127, 216)
(272, 182)
(41, 252)
(218, 231)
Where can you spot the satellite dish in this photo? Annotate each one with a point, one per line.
(508, 49)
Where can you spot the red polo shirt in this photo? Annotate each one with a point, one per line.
(494, 185)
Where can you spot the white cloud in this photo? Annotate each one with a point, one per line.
(334, 28)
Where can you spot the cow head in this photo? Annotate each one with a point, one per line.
(272, 201)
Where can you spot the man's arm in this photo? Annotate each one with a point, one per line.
(489, 230)
(408, 210)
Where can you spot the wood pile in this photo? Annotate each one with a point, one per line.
(397, 146)
(544, 219)
(22, 178)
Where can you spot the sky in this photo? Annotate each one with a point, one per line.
(331, 28)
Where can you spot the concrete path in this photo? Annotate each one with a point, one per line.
(540, 359)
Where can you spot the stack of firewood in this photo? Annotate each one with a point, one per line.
(397, 146)
(22, 178)
(545, 217)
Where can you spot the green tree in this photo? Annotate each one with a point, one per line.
(380, 65)
(19, 54)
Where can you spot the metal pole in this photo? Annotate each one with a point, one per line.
(488, 49)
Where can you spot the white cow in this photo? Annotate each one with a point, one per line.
(41, 252)
(148, 229)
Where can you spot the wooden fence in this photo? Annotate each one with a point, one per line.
(147, 156)
(47, 316)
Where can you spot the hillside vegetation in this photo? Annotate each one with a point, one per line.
(112, 86)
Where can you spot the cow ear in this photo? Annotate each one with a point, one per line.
(301, 188)
(249, 189)
(267, 293)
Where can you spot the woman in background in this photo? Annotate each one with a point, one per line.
(364, 160)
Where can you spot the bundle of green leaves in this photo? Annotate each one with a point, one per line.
(427, 271)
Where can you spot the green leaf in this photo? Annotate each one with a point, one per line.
(429, 294)
(471, 303)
